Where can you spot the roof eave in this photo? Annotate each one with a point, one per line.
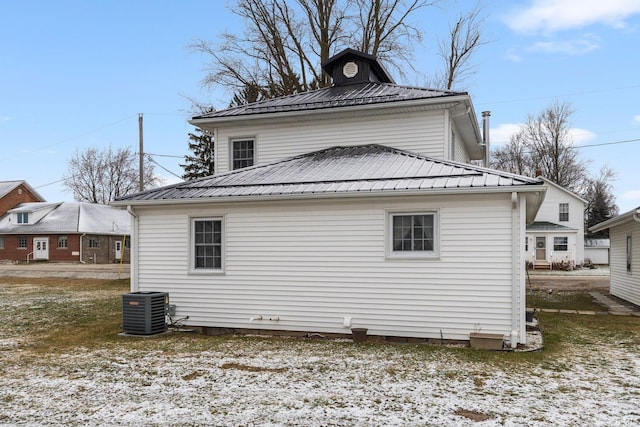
(447, 101)
(631, 215)
(528, 189)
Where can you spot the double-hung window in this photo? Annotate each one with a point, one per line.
(564, 212)
(243, 153)
(560, 243)
(413, 234)
(207, 244)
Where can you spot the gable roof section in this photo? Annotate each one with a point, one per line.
(7, 187)
(366, 169)
(70, 218)
(561, 188)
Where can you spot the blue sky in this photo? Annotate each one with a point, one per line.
(76, 74)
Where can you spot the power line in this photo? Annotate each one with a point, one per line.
(162, 167)
(609, 143)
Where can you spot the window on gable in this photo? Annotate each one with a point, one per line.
(242, 153)
(22, 242)
(564, 212)
(413, 234)
(206, 244)
(560, 243)
(23, 217)
(628, 253)
(63, 242)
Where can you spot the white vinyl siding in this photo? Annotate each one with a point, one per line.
(625, 283)
(311, 264)
(417, 132)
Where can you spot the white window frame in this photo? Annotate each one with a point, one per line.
(192, 269)
(561, 211)
(65, 242)
(26, 242)
(22, 218)
(555, 245)
(427, 255)
(232, 141)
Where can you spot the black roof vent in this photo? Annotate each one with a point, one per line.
(351, 66)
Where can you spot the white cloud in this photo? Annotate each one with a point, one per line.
(636, 118)
(4, 118)
(556, 15)
(502, 134)
(581, 136)
(580, 46)
(632, 196)
(513, 55)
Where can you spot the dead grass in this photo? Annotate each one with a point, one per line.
(564, 300)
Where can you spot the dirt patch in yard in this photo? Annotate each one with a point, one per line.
(568, 283)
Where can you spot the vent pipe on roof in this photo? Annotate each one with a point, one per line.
(485, 136)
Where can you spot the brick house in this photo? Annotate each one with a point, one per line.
(12, 193)
(69, 232)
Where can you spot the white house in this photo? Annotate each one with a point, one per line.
(557, 235)
(346, 207)
(624, 237)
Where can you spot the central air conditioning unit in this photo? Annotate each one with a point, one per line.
(144, 313)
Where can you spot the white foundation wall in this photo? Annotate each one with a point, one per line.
(309, 265)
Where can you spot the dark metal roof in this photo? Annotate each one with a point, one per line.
(548, 226)
(338, 170)
(333, 97)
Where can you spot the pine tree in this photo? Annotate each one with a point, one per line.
(200, 164)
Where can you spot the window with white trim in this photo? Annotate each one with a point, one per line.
(63, 242)
(413, 234)
(206, 244)
(560, 243)
(628, 253)
(563, 212)
(243, 153)
(23, 217)
(22, 242)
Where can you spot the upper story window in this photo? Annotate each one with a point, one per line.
(23, 217)
(413, 234)
(564, 212)
(243, 153)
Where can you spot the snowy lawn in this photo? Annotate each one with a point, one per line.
(62, 363)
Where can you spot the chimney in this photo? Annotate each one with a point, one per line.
(485, 136)
(538, 172)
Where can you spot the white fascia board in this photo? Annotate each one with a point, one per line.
(330, 112)
(615, 221)
(529, 190)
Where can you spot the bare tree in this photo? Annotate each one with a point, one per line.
(464, 40)
(543, 144)
(285, 43)
(100, 176)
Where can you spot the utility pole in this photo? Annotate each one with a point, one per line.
(141, 151)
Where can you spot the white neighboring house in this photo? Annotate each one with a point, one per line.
(557, 235)
(624, 237)
(343, 208)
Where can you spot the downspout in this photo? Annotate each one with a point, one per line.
(133, 253)
(81, 261)
(515, 268)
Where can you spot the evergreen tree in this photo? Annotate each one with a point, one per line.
(602, 204)
(200, 163)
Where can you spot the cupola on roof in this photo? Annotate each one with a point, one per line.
(351, 66)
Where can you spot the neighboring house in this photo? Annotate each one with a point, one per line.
(343, 208)
(12, 193)
(596, 251)
(557, 235)
(624, 264)
(80, 232)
